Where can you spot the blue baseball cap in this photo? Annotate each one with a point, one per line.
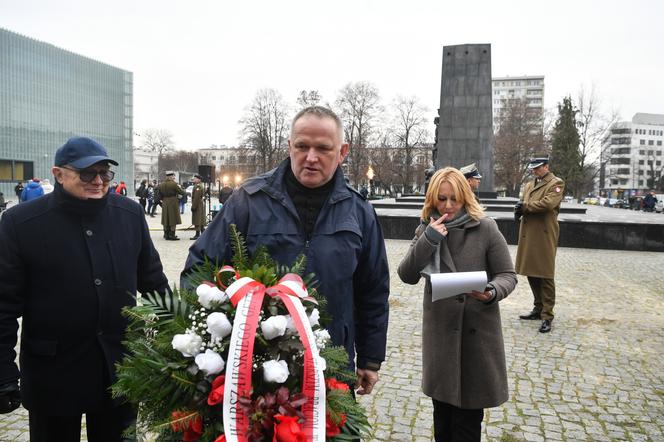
(81, 152)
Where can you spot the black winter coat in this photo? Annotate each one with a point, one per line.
(68, 268)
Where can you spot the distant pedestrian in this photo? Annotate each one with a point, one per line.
(156, 197)
(113, 186)
(121, 189)
(364, 192)
(32, 191)
(649, 201)
(197, 207)
(182, 200)
(18, 189)
(538, 239)
(142, 194)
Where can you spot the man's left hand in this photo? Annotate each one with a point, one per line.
(366, 379)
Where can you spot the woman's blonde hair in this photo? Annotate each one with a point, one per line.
(462, 192)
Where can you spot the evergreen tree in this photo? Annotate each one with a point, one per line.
(566, 156)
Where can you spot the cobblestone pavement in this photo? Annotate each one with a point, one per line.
(598, 376)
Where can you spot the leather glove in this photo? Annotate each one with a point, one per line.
(518, 211)
(10, 397)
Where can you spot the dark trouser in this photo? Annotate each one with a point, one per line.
(544, 292)
(142, 202)
(454, 424)
(104, 425)
(154, 208)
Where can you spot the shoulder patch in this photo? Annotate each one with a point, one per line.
(557, 189)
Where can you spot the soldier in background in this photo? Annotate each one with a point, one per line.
(538, 239)
(197, 206)
(170, 215)
(472, 175)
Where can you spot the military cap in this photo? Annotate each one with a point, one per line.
(537, 162)
(170, 173)
(198, 176)
(470, 171)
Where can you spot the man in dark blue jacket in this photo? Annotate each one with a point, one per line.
(304, 206)
(69, 262)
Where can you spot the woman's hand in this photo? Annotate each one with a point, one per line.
(438, 224)
(484, 296)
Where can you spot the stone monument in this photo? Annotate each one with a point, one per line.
(465, 127)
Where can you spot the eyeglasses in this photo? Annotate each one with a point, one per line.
(88, 175)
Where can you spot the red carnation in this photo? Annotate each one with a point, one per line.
(286, 429)
(332, 429)
(217, 393)
(333, 384)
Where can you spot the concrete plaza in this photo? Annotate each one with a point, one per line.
(598, 376)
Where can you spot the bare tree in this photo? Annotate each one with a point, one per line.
(593, 125)
(179, 160)
(410, 133)
(358, 106)
(265, 127)
(308, 98)
(157, 140)
(518, 139)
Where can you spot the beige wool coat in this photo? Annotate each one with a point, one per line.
(463, 355)
(539, 230)
(198, 206)
(170, 214)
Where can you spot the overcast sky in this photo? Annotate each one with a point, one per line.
(197, 64)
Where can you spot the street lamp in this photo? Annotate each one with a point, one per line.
(370, 175)
(238, 179)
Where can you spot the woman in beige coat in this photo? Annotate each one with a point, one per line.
(463, 356)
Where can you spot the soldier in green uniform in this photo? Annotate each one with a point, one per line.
(170, 214)
(197, 206)
(538, 239)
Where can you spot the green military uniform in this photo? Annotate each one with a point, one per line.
(170, 215)
(198, 209)
(538, 240)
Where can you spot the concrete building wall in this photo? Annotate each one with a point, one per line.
(47, 95)
(632, 152)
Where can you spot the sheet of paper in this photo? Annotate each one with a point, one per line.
(446, 285)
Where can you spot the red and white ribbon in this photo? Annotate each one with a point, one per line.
(247, 296)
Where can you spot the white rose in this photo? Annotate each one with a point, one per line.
(189, 344)
(290, 325)
(322, 338)
(208, 294)
(314, 317)
(274, 326)
(210, 362)
(218, 325)
(275, 371)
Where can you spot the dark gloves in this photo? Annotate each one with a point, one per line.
(518, 211)
(10, 397)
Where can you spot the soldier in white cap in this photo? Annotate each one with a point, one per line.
(472, 175)
(538, 239)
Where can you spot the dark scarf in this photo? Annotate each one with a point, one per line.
(308, 202)
(458, 221)
(88, 207)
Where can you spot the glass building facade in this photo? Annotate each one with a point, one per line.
(48, 95)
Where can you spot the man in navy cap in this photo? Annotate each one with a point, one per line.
(69, 262)
(538, 238)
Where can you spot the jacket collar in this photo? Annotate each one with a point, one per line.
(272, 183)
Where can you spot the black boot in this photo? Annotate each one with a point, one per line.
(196, 236)
(173, 237)
(166, 234)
